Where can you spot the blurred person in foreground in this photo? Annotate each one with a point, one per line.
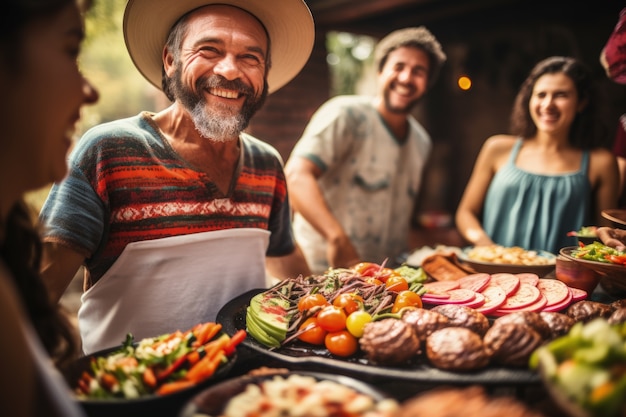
(613, 60)
(175, 213)
(355, 173)
(43, 91)
(551, 175)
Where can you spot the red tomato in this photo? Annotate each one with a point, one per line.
(366, 269)
(315, 334)
(349, 302)
(309, 301)
(341, 343)
(396, 283)
(332, 318)
(406, 298)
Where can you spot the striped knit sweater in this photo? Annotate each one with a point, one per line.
(126, 184)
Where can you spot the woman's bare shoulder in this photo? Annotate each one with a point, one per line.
(498, 144)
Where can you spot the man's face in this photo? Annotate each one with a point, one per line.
(404, 79)
(220, 77)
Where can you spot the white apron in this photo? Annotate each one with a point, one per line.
(163, 285)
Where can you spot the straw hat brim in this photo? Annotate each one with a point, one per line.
(289, 25)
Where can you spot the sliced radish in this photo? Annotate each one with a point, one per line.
(435, 299)
(494, 298)
(554, 290)
(441, 287)
(461, 296)
(536, 306)
(578, 294)
(456, 296)
(560, 306)
(475, 282)
(509, 282)
(528, 277)
(525, 295)
(477, 302)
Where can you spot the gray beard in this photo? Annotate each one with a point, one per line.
(217, 127)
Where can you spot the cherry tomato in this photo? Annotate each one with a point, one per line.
(396, 283)
(406, 298)
(341, 343)
(349, 302)
(332, 318)
(309, 301)
(366, 269)
(355, 323)
(315, 334)
(385, 273)
(373, 281)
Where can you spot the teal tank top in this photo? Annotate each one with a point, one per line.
(536, 211)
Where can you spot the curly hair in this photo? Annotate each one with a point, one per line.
(417, 37)
(587, 130)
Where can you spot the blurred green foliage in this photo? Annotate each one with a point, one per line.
(348, 56)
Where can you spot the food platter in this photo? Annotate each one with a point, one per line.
(145, 405)
(615, 215)
(495, 268)
(233, 318)
(212, 401)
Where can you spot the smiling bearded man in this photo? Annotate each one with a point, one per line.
(175, 213)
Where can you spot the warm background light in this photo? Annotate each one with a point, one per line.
(464, 82)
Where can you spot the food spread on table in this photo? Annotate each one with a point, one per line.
(159, 365)
(507, 255)
(460, 325)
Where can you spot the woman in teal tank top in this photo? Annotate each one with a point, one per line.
(552, 174)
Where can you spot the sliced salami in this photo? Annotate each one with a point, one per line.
(509, 282)
(525, 295)
(457, 296)
(494, 298)
(554, 290)
(441, 287)
(528, 278)
(475, 282)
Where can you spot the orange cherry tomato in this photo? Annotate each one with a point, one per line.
(396, 283)
(406, 298)
(349, 302)
(332, 318)
(309, 301)
(385, 273)
(341, 343)
(315, 335)
(373, 281)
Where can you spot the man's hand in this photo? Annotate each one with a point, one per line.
(340, 253)
(615, 238)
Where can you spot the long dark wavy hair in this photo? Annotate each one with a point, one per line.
(20, 248)
(588, 130)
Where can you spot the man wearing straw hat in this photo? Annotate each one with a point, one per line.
(175, 213)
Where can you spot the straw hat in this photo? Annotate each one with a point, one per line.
(289, 24)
